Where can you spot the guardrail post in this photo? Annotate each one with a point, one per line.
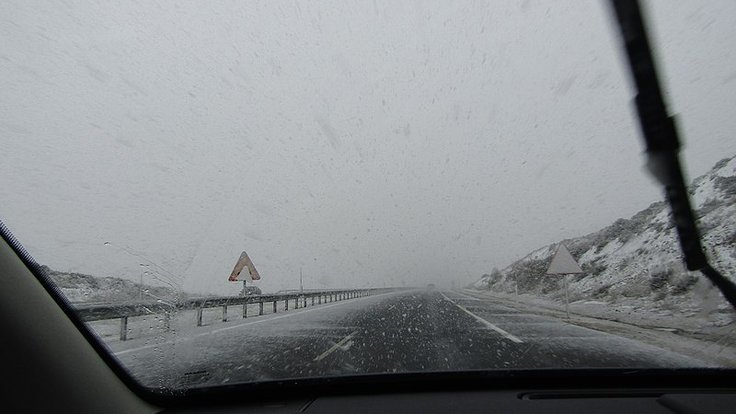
(124, 328)
(224, 313)
(319, 299)
(296, 303)
(260, 307)
(274, 307)
(286, 304)
(312, 300)
(245, 310)
(199, 317)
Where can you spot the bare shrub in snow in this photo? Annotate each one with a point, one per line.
(659, 279)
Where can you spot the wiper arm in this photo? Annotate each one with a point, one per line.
(662, 142)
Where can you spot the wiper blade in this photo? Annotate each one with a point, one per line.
(662, 142)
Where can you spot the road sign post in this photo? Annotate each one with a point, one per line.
(567, 298)
(563, 264)
(244, 262)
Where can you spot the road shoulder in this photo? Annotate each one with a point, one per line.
(710, 352)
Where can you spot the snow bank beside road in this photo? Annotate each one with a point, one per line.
(634, 266)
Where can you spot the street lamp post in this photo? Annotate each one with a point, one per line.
(140, 285)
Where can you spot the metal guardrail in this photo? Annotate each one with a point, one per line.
(90, 313)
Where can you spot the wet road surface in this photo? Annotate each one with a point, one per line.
(409, 331)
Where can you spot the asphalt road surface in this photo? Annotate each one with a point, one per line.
(409, 331)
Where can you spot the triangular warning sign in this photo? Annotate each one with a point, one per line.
(244, 262)
(563, 263)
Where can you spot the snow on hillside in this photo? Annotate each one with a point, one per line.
(81, 288)
(638, 260)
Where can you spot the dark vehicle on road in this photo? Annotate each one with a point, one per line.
(250, 290)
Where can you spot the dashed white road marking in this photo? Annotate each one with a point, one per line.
(333, 348)
(503, 333)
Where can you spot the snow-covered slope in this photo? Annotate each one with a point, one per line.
(639, 258)
(81, 288)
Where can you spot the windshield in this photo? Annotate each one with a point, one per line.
(236, 192)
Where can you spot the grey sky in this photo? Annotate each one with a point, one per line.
(368, 142)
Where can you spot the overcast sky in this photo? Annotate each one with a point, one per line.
(370, 143)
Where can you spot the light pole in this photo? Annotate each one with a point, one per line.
(167, 277)
(140, 285)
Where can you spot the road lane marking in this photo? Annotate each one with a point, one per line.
(469, 295)
(503, 333)
(240, 325)
(333, 348)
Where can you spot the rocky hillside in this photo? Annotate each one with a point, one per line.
(81, 288)
(638, 257)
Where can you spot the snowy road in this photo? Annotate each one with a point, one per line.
(421, 330)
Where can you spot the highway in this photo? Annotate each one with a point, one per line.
(407, 331)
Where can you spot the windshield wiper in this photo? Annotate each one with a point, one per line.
(662, 142)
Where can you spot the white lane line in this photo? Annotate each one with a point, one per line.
(240, 325)
(334, 347)
(466, 295)
(503, 333)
